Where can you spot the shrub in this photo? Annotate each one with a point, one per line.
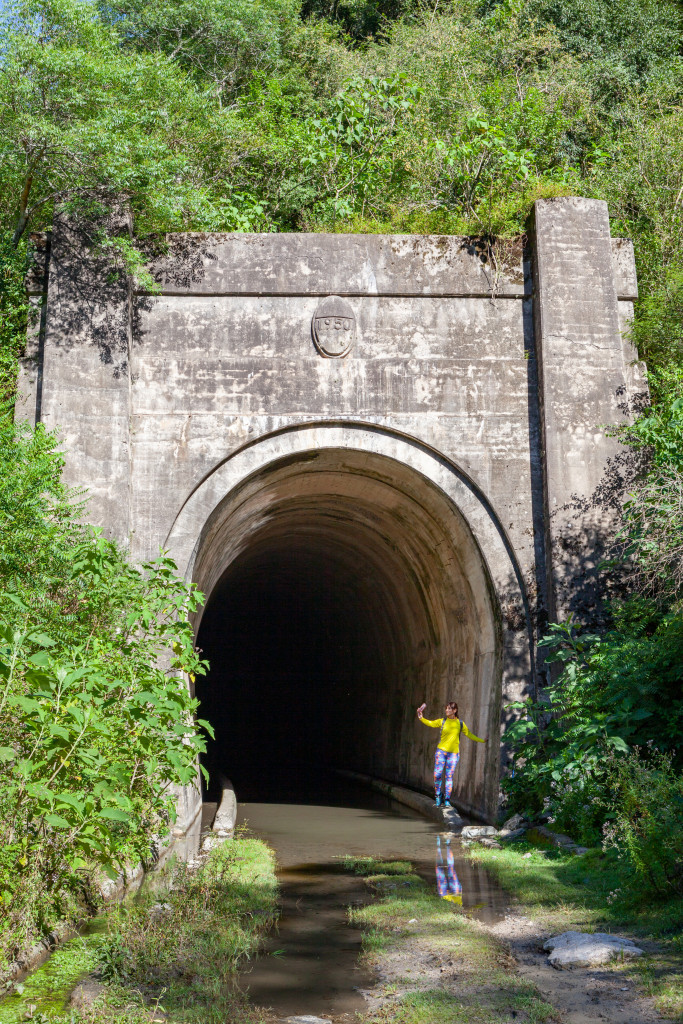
(96, 719)
(615, 692)
(646, 823)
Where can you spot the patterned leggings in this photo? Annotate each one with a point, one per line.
(447, 882)
(444, 762)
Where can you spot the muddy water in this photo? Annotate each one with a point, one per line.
(310, 963)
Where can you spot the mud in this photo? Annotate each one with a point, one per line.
(601, 995)
(310, 964)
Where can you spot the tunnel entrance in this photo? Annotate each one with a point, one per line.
(297, 634)
(343, 590)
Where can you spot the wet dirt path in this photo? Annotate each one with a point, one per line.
(310, 963)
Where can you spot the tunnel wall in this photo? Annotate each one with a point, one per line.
(501, 365)
(402, 519)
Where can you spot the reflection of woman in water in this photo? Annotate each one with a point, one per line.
(448, 750)
(447, 883)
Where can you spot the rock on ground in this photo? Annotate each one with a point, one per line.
(307, 1019)
(509, 835)
(541, 834)
(477, 831)
(580, 949)
(515, 822)
(86, 993)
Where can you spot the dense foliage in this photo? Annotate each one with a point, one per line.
(96, 720)
(602, 751)
(343, 115)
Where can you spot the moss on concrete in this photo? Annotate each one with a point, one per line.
(48, 988)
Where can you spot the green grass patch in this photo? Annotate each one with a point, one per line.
(554, 886)
(469, 1008)
(372, 866)
(176, 948)
(565, 892)
(48, 988)
(471, 978)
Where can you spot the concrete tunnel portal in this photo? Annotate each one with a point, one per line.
(343, 589)
(373, 524)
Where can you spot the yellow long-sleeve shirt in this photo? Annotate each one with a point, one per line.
(450, 737)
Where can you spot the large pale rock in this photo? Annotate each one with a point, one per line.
(507, 836)
(308, 1019)
(478, 831)
(578, 949)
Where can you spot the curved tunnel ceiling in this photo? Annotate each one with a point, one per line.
(343, 589)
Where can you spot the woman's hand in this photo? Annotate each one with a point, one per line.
(420, 710)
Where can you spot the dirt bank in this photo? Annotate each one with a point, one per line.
(436, 962)
(603, 995)
(551, 892)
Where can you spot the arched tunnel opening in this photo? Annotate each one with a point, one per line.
(344, 589)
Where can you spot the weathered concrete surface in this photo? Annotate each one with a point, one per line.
(226, 815)
(84, 370)
(375, 514)
(585, 381)
(431, 466)
(309, 264)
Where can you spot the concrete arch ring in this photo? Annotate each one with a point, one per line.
(184, 539)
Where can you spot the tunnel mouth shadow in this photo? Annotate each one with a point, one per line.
(344, 589)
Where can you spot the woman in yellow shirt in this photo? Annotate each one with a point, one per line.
(448, 751)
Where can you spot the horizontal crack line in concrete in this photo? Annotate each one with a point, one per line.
(316, 295)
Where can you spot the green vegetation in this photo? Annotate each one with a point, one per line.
(334, 115)
(435, 963)
(601, 751)
(396, 116)
(171, 952)
(96, 719)
(48, 988)
(563, 892)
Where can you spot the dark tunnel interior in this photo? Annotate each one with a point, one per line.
(342, 592)
(293, 648)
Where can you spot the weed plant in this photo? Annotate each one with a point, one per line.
(185, 942)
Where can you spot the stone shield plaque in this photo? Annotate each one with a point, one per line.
(334, 327)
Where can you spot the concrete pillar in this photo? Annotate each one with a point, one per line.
(85, 370)
(582, 379)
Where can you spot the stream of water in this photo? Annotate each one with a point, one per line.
(310, 964)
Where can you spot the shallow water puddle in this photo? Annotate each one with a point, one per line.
(310, 965)
(310, 962)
